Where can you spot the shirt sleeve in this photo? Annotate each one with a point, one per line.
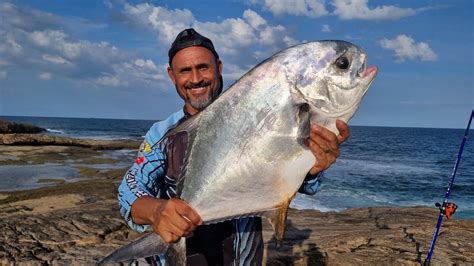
(144, 178)
(311, 183)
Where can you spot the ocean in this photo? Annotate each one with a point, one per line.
(379, 166)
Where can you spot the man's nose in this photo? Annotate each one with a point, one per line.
(197, 77)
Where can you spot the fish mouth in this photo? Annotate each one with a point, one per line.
(369, 71)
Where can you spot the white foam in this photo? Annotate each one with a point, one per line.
(55, 131)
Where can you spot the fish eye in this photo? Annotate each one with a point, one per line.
(342, 62)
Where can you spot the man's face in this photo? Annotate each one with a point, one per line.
(195, 73)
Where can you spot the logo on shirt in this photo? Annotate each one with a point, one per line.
(147, 147)
(140, 160)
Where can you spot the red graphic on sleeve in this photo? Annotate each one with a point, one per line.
(140, 160)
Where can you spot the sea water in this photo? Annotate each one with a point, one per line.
(378, 166)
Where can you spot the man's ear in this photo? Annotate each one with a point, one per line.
(171, 75)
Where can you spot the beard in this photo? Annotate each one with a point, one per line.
(200, 104)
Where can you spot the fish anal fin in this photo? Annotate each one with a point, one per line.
(148, 245)
(277, 219)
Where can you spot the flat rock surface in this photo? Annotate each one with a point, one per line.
(83, 226)
(79, 223)
(40, 139)
(371, 236)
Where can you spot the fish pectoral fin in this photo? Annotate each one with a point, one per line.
(147, 246)
(277, 219)
(303, 119)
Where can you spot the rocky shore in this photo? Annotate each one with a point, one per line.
(78, 223)
(8, 127)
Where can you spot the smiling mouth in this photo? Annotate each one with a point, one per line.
(198, 91)
(198, 88)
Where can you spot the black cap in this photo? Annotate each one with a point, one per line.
(187, 38)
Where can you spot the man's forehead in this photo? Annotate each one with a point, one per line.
(193, 55)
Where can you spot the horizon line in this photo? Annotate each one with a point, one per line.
(156, 120)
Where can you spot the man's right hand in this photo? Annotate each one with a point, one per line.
(171, 219)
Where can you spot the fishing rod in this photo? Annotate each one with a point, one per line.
(448, 208)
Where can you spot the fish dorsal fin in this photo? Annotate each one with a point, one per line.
(277, 219)
(189, 128)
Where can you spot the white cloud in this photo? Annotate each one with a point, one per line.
(59, 41)
(359, 9)
(326, 28)
(33, 39)
(406, 48)
(145, 63)
(229, 35)
(309, 8)
(56, 59)
(42, 42)
(45, 76)
(167, 22)
(9, 44)
(254, 19)
(112, 81)
(232, 37)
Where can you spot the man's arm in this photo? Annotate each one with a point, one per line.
(144, 178)
(171, 219)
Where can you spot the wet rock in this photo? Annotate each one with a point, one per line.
(79, 223)
(8, 127)
(85, 233)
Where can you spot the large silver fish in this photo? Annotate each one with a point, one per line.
(246, 154)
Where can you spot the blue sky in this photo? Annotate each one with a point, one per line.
(107, 59)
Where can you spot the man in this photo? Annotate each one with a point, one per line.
(147, 193)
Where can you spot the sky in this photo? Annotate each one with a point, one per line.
(108, 59)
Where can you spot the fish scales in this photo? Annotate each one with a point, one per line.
(246, 154)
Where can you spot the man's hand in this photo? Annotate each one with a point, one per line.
(175, 219)
(171, 219)
(325, 145)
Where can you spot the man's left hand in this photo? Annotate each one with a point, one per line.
(325, 145)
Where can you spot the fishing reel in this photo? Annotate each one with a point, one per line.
(447, 208)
